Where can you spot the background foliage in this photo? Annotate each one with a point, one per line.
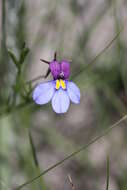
(92, 34)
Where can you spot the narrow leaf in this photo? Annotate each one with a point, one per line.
(33, 150)
(13, 58)
(107, 173)
(104, 133)
(42, 184)
(23, 55)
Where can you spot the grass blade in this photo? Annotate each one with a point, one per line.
(39, 77)
(101, 52)
(94, 59)
(33, 150)
(42, 184)
(105, 132)
(107, 173)
(13, 58)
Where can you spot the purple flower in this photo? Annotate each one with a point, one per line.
(60, 91)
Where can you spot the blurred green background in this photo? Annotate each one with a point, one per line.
(78, 30)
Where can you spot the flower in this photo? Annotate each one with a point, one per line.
(59, 90)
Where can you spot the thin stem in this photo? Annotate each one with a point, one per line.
(35, 79)
(95, 58)
(101, 52)
(72, 184)
(2, 68)
(42, 185)
(107, 173)
(42, 76)
(3, 24)
(105, 132)
(33, 150)
(47, 62)
(55, 56)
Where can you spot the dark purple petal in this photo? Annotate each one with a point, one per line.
(55, 69)
(65, 69)
(43, 93)
(60, 101)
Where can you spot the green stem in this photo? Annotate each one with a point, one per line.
(42, 184)
(3, 53)
(101, 52)
(22, 105)
(107, 173)
(3, 41)
(93, 60)
(105, 132)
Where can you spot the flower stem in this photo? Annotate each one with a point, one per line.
(104, 133)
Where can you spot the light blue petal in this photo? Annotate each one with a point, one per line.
(43, 93)
(60, 101)
(73, 92)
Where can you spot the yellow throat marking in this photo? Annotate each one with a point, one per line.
(60, 83)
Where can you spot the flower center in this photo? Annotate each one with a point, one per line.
(62, 74)
(60, 83)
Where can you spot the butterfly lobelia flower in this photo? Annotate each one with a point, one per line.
(60, 90)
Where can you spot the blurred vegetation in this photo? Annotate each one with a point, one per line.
(33, 138)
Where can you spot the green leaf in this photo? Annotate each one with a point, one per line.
(33, 150)
(13, 58)
(23, 55)
(42, 184)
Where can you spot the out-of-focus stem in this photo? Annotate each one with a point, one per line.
(42, 184)
(104, 133)
(2, 58)
(3, 55)
(3, 33)
(3, 28)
